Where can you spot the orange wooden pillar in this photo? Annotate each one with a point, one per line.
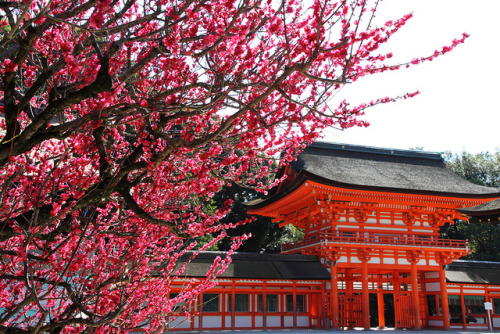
(334, 295)
(414, 293)
(380, 305)
(365, 296)
(396, 292)
(444, 298)
(365, 291)
(223, 309)
(294, 299)
(233, 306)
(349, 299)
(264, 306)
(200, 312)
(323, 310)
(462, 302)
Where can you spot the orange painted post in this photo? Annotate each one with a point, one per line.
(334, 296)
(283, 309)
(380, 304)
(326, 319)
(223, 306)
(349, 300)
(414, 293)
(253, 307)
(366, 296)
(200, 312)
(294, 298)
(233, 307)
(264, 307)
(444, 299)
(397, 292)
(462, 302)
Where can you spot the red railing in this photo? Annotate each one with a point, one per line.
(340, 237)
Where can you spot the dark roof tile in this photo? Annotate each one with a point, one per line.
(260, 266)
(385, 169)
(473, 272)
(490, 207)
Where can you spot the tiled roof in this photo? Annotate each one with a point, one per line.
(491, 207)
(261, 266)
(473, 272)
(384, 169)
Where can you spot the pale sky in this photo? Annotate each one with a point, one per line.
(457, 109)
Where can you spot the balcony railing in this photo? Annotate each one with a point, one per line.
(339, 237)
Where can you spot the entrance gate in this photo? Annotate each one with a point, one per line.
(351, 311)
(404, 311)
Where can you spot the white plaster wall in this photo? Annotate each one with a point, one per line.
(273, 321)
(496, 322)
(433, 263)
(212, 321)
(259, 321)
(347, 226)
(354, 259)
(389, 260)
(288, 321)
(343, 259)
(382, 228)
(302, 321)
(375, 260)
(228, 321)
(476, 291)
(385, 221)
(242, 321)
(403, 261)
(180, 322)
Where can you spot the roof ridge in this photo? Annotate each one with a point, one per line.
(377, 150)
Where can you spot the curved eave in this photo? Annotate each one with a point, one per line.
(479, 213)
(486, 209)
(296, 183)
(319, 179)
(304, 176)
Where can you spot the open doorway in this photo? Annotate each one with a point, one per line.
(390, 319)
(373, 310)
(389, 316)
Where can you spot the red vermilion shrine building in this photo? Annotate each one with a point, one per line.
(371, 255)
(372, 216)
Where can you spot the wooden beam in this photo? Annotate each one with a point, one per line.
(415, 295)
(444, 298)
(366, 295)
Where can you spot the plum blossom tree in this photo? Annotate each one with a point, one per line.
(121, 118)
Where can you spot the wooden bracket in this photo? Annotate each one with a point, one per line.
(413, 256)
(364, 254)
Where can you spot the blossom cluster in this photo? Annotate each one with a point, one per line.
(121, 119)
